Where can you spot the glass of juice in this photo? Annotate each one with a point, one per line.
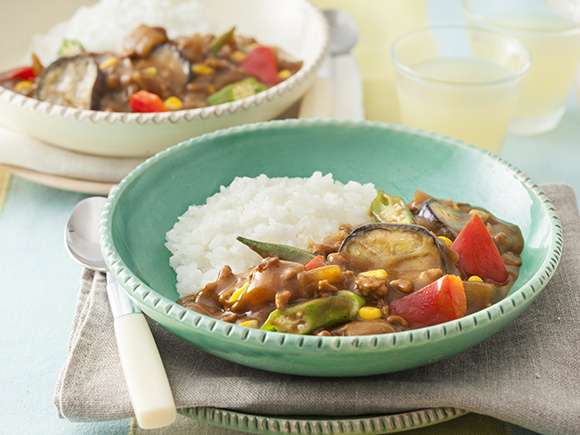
(553, 38)
(460, 81)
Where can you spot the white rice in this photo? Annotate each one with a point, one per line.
(102, 26)
(289, 211)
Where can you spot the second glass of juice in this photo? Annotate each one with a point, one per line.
(460, 81)
(548, 30)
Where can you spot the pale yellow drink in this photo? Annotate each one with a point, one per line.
(465, 98)
(380, 23)
(554, 61)
(547, 29)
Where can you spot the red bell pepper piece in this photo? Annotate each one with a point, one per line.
(438, 302)
(144, 101)
(25, 72)
(316, 262)
(478, 254)
(261, 63)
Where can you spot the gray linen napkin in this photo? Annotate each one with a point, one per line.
(527, 374)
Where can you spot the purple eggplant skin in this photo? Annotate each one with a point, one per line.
(164, 71)
(74, 81)
(441, 219)
(171, 58)
(403, 250)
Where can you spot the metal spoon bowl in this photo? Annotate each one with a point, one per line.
(81, 234)
(343, 31)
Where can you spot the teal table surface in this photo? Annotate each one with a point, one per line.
(39, 282)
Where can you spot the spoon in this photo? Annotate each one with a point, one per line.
(144, 372)
(318, 101)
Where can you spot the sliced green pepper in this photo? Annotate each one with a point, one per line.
(391, 209)
(220, 41)
(236, 91)
(70, 48)
(283, 252)
(305, 317)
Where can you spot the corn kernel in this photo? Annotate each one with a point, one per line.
(236, 295)
(284, 74)
(150, 71)
(173, 103)
(253, 323)
(107, 63)
(200, 68)
(475, 278)
(211, 89)
(378, 273)
(455, 207)
(238, 55)
(446, 240)
(369, 313)
(474, 211)
(22, 86)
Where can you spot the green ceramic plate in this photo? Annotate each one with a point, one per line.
(270, 425)
(397, 159)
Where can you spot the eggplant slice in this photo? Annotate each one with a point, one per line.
(71, 81)
(171, 71)
(442, 219)
(404, 251)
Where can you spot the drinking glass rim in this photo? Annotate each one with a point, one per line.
(487, 24)
(416, 75)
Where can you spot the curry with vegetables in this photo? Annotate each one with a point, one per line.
(155, 73)
(421, 264)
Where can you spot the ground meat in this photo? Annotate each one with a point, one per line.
(403, 285)
(332, 243)
(371, 286)
(511, 259)
(282, 299)
(336, 258)
(325, 287)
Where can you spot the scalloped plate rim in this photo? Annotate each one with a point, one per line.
(387, 423)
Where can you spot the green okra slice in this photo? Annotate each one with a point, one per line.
(391, 209)
(220, 41)
(283, 252)
(305, 317)
(70, 47)
(236, 91)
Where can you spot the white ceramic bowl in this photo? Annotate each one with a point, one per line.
(295, 26)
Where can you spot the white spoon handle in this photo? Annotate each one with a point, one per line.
(318, 100)
(144, 372)
(142, 365)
